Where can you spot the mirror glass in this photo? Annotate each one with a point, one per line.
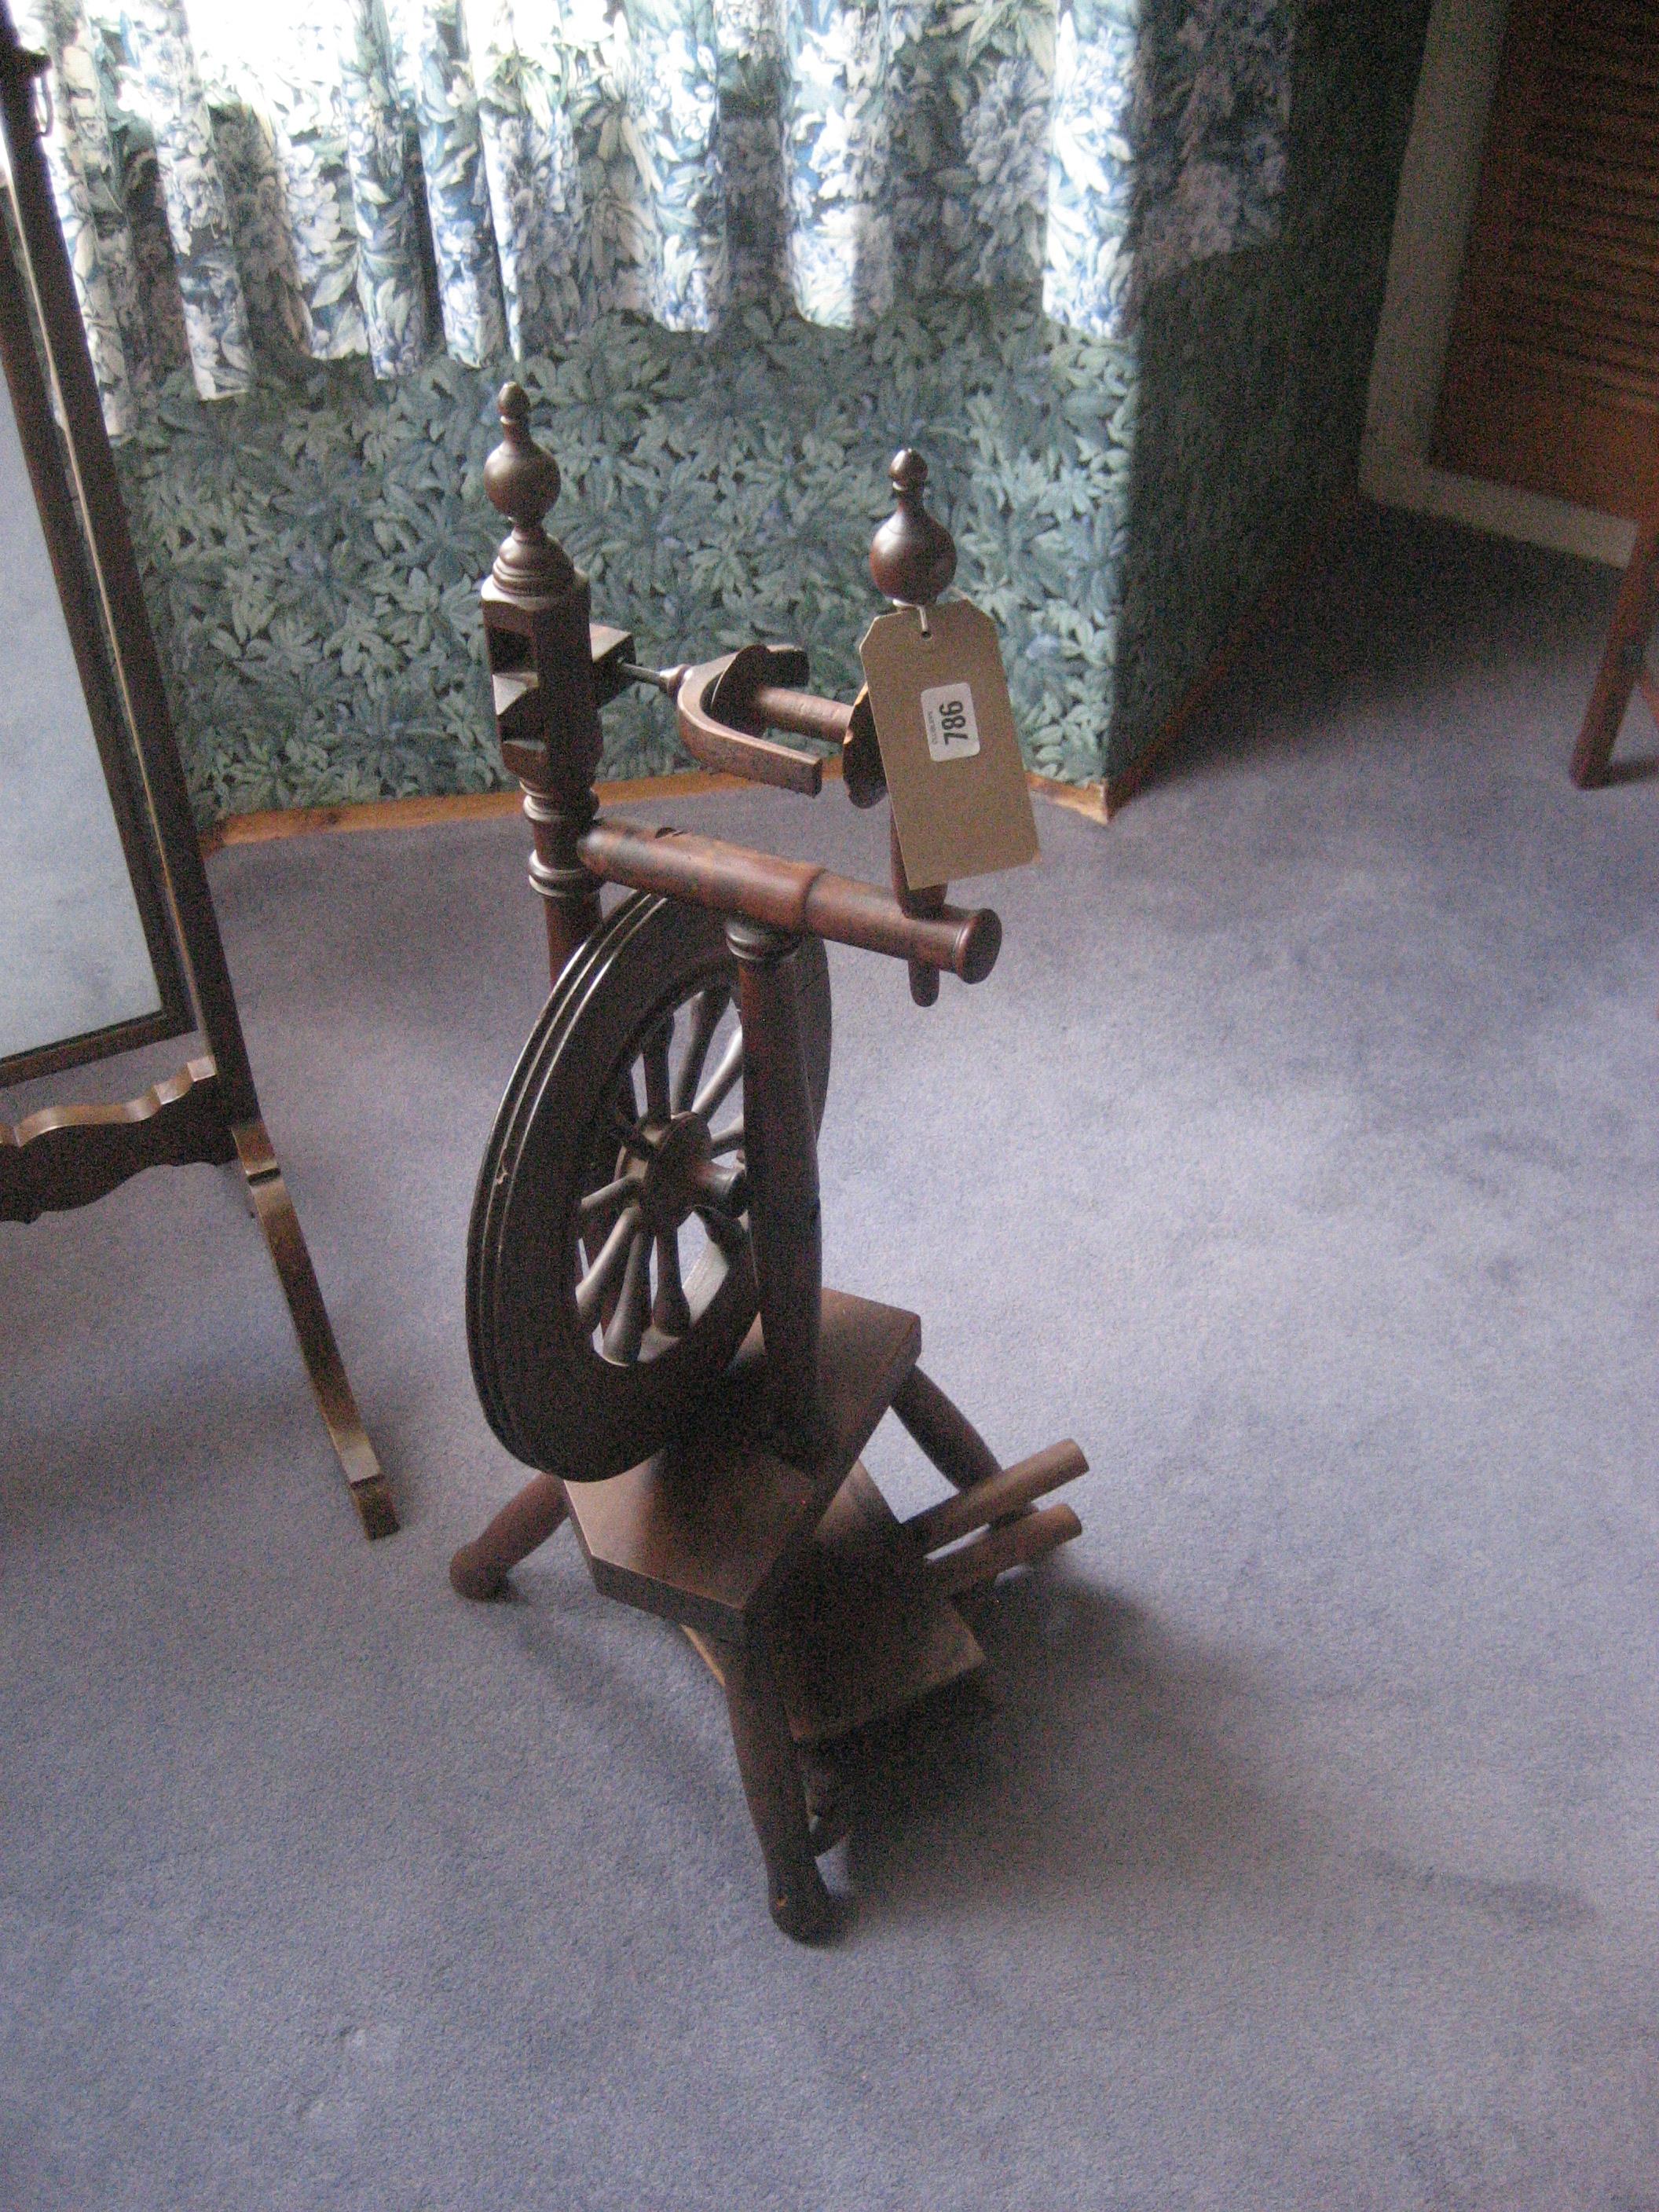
(73, 953)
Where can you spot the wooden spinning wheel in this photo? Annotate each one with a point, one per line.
(611, 1274)
(645, 1310)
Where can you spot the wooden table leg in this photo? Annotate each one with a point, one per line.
(767, 1761)
(1622, 660)
(480, 1570)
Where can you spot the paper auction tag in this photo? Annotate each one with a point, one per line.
(945, 727)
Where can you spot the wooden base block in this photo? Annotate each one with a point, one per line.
(709, 1531)
(859, 1631)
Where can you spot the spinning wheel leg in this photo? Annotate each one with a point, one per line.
(768, 1762)
(480, 1570)
(945, 1432)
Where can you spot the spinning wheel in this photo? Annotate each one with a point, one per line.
(611, 1274)
(645, 1308)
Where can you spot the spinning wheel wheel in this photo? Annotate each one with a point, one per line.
(610, 1275)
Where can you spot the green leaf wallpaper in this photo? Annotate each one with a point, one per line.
(1253, 369)
(312, 548)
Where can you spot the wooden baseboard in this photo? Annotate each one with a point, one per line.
(1088, 799)
(259, 828)
(1246, 630)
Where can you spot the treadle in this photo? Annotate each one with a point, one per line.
(704, 1532)
(858, 1631)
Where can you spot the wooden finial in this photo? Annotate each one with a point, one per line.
(912, 557)
(522, 483)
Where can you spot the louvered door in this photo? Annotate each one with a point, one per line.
(1553, 374)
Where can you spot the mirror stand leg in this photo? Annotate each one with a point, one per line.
(279, 1225)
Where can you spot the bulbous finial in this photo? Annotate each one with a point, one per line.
(522, 483)
(912, 556)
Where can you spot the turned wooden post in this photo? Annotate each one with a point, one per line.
(773, 1784)
(913, 558)
(780, 1149)
(536, 616)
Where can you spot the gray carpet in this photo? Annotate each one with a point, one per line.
(1300, 1159)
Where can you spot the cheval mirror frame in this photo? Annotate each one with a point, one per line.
(208, 1111)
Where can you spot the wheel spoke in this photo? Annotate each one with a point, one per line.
(706, 1012)
(591, 1289)
(626, 1327)
(723, 1230)
(634, 1285)
(656, 1071)
(598, 1203)
(671, 1313)
(720, 1085)
(629, 1135)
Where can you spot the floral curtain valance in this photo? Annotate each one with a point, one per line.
(387, 177)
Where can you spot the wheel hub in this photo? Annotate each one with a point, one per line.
(673, 1180)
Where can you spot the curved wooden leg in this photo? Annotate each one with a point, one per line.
(273, 1209)
(480, 1570)
(767, 1761)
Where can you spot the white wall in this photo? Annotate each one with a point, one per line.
(1436, 195)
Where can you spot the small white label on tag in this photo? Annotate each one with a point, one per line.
(952, 731)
